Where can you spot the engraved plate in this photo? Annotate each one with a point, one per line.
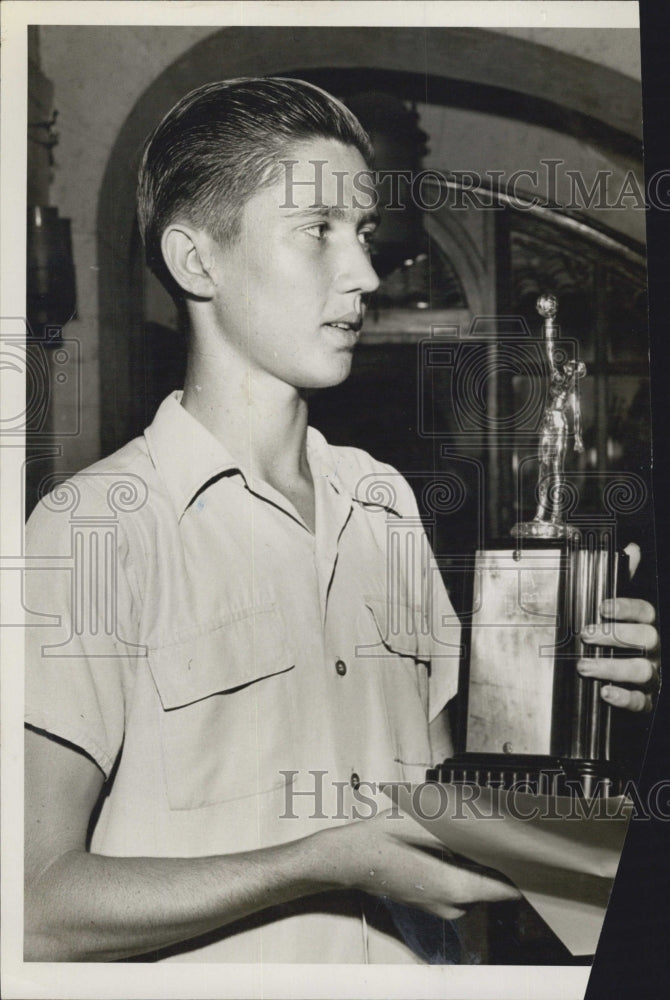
(512, 664)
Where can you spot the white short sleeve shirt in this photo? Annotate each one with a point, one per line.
(240, 680)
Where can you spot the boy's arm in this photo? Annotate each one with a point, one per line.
(89, 907)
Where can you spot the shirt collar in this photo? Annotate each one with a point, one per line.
(188, 457)
(185, 453)
(366, 483)
(322, 461)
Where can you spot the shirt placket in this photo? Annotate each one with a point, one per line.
(333, 511)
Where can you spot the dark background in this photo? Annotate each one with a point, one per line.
(633, 957)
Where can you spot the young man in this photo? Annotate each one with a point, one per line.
(201, 733)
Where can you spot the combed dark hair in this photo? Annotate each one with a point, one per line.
(223, 142)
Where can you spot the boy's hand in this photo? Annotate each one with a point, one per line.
(394, 857)
(628, 623)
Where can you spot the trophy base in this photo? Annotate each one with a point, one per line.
(533, 773)
(545, 529)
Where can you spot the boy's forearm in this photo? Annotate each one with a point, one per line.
(90, 907)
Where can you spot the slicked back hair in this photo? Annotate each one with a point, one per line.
(222, 143)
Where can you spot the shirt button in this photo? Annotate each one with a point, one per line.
(341, 667)
(355, 781)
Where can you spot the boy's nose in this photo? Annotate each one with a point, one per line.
(358, 274)
(370, 282)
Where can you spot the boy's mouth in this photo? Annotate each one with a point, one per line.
(351, 323)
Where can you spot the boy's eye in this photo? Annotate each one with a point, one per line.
(318, 230)
(367, 238)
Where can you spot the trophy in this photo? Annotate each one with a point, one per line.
(530, 719)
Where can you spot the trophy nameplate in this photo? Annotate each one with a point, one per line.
(516, 613)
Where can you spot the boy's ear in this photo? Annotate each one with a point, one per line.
(188, 255)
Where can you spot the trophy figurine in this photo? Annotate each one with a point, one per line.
(529, 716)
(563, 395)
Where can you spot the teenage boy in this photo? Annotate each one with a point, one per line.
(276, 639)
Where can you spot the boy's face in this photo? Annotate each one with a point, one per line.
(298, 269)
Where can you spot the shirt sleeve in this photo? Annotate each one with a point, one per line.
(441, 626)
(80, 653)
(442, 623)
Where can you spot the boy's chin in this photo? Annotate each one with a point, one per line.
(321, 386)
(328, 380)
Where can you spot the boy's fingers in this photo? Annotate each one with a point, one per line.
(468, 886)
(622, 635)
(629, 609)
(636, 670)
(633, 701)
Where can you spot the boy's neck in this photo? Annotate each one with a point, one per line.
(260, 421)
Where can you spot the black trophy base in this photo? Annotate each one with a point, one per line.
(535, 774)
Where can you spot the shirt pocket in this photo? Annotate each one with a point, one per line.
(226, 710)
